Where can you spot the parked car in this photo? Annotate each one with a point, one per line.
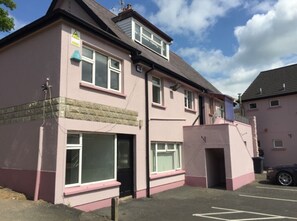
(283, 175)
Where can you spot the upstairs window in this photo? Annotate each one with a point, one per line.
(101, 70)
(277, 143)
(157, 90)
(189, 100)
(274, 103)
(252, 106)
(150, 40)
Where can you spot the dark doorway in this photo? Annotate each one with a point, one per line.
(125, 165)
(215, 162)
(201, 110)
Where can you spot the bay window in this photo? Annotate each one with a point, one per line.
(165, 156)
(101, 70)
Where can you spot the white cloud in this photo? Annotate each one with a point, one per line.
(266, 41)
(190, 17)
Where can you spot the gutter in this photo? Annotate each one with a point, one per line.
(61, 14)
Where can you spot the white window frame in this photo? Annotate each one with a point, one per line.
(163, 45)
(109, 69)
(270, 103)
(189, 103)
(252, 108)
(160, 86)
(156, 151)
(277, 146)
(80, 148)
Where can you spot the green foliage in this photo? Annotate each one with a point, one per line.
(6, 22)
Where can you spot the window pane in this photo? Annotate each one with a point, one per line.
(274, 103)
(146, 33)
(98, 158)
(153, 158)
(115, 64)
(72, 167)
(164, 49)
(101, 70)
(278, 143)
(73, 139)
(165, 161)
(87, 53)
(137, 32)
(253, 106)
(156, 39)
(161, 146)
(156, 81)
(124, 154)
(87, 69)
(115, 80)
(147, 42)
(156, 95)
(177, 156)
(170, 147)
(190, 100)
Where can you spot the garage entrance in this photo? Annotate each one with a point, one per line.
(215, 164)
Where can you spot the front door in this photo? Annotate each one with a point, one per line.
(125, 164)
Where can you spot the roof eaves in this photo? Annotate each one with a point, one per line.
(61, 14)
(146, 61)
(267, 97)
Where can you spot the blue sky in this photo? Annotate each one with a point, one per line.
(229, 42)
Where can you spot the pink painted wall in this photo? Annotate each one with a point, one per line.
(36, 57)
(228, 137)
(276, 123)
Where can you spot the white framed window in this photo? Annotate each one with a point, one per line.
(90, 158)
(150, 40)
(278, 143)
(189, 99)
(252, 106)
(157, 90)
(101, 70)
(274, 103)
(165, 157)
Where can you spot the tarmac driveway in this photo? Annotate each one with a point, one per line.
(257, 201)
(25, 210)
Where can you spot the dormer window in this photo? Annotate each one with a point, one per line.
(150, 40)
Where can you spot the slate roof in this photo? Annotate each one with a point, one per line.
(104, 26)
(277, 82)
(176, 64)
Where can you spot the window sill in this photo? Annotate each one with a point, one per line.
(190, 110)
(89, 188)
(160, 106)
(279, 149)
(157, 176)
(256, 109)
(274, 107)
(100, 89)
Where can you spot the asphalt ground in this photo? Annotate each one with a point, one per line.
(257, 201)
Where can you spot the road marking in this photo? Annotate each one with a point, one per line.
(269, 198)
(234, 211)
(270, 188)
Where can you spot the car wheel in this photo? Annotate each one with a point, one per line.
(284, 178)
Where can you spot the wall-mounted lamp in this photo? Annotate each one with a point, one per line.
(139, 68)
(175, 86)
(76, 56)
